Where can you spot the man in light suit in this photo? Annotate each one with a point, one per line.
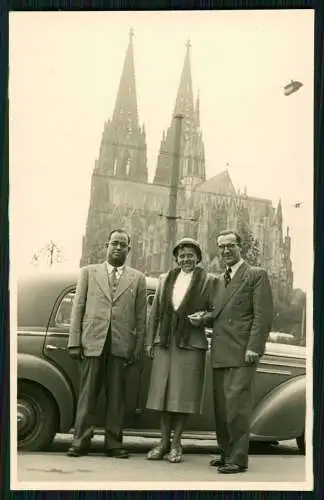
(241, 321)
(107, 331)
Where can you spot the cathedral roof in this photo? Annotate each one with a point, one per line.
(219, 184)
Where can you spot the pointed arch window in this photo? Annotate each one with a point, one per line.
(186, 165)
(127, 166)
(129, 124)
(115, 167)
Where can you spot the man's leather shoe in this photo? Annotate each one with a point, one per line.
(217, 462)
(232, 468)
(73, 451)
(117, 453)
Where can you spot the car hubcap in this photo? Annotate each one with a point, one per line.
(25, 417)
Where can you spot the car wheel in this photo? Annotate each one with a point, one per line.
(37, 417)
(301, 444)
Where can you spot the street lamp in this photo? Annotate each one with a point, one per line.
(292, 87)
(172, 216)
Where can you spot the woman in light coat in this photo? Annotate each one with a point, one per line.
(178, 348)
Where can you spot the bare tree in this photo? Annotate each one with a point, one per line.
(50, 254)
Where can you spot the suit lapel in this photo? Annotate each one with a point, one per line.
(101, 275)
(125, 280)
(232, 288)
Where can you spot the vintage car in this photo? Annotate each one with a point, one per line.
(48, 378)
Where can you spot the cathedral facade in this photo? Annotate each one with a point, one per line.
(122, 197)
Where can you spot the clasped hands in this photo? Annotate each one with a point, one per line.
(197, 319)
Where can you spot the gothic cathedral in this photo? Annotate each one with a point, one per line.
(122, 197)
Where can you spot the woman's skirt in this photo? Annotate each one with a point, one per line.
(177, 379)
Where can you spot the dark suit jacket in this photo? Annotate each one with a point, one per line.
(242, 318)
(94, 310)
(197, 337)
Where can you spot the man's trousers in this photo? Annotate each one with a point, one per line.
(110, 371)
(233, 390)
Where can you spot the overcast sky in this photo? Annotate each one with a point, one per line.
(64, 75)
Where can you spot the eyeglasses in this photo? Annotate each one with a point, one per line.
(115, 244)
(230, 246)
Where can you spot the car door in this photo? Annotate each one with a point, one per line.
(55, 348)
(145, 419)
(56, 340)
(273, 370)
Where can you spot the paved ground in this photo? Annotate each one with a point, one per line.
(281, 463)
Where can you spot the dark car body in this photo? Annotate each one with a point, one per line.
(48, 378)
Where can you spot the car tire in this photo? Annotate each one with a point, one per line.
(37, 417)
(301, 444)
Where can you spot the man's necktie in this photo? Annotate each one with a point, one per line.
(227, 276)
(113, 280)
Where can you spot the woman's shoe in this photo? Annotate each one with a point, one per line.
(158, 452)
(175, 455)
(217, 462)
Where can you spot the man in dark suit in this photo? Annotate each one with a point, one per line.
(107, 331)
(241, 321)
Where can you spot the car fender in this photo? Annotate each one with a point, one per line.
(281, 414)
(47, 375)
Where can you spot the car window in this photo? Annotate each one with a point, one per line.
(63, 315)
(289, 321)
(282, 338)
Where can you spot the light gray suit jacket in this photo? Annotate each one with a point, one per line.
(94, 310)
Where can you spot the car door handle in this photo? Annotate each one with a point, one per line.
(51, 347)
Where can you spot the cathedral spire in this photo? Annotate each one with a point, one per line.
(123, 145)
(197, 110)
(184, 101)
(192, 163)
(279, 214)
(126, 102)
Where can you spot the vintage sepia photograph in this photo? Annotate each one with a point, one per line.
(161, 250)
